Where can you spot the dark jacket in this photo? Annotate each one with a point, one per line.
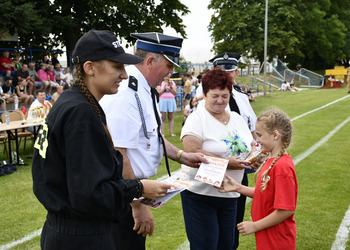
(76, 171)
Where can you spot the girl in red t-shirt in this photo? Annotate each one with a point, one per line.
(275, 194)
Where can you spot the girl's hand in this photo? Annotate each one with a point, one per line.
(229, 185)
(246, 227)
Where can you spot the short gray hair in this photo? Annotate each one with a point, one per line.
(143, 53)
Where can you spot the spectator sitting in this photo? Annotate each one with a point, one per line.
(4, 96)
(16, 61)
(42, 76)
(33, 76)
(6, 65)
(39, 102)
(56, 94)
(190, 108)
(66, 78)
(8, 88)
(52, 79)
(21, 91)
(69, 77)
(47, 65)
(23, 73)
(58, 70)
(246, 89)
(285, 86)
(293, 88)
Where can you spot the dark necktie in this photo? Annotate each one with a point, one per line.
(155, 95)
(233, 104)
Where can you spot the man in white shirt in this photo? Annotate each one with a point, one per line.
(39, 102)
(133, 121)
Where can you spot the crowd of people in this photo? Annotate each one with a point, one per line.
(104, 138)
(21, 80)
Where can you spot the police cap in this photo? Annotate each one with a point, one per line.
(168, 46)
(227, 61)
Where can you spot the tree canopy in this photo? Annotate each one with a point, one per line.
(314, 33)
(48, 23)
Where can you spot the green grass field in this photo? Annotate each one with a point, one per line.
(323, 175)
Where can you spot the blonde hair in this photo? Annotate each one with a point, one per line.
(272, 120)
(78, 75)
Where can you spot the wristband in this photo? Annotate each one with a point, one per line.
(139, 188)
(178, 155)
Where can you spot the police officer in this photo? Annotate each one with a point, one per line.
(135, 130)
(239, 103)
(77, 173)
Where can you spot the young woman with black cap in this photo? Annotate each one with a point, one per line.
(77, 173)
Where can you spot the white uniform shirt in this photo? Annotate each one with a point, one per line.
(218, 139)
(244, 106)
(125, 125)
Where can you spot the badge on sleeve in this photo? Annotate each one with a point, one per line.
(41, 142)
(133, 83)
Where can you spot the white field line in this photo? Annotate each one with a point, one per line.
(185, 245)
(322, 107)
(20, 241)
(343, 232)
(342, 235)
(308, 152)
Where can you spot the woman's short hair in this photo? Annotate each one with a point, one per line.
(217, 78)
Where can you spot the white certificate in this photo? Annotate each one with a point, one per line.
(213, 172)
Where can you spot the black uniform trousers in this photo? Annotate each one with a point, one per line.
(240, 210)
(124, 231)
(68, 233)
(242, 199)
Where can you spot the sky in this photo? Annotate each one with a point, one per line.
(196, 48)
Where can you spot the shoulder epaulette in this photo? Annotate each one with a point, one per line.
(237, 88)
(133, 83)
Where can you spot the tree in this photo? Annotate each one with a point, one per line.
(63, 22)
(310, 32)
(238, 26)
(184, 66)
(323, 42)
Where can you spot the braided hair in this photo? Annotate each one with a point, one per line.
(78, 75)
(274, 120)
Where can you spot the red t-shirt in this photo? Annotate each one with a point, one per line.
(281, 193)
(5, 60)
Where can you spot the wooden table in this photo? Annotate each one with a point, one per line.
(14, 126)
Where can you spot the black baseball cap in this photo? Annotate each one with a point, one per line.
(99, 45)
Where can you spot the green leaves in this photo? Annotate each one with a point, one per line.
(49, 23)
(313, 33)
